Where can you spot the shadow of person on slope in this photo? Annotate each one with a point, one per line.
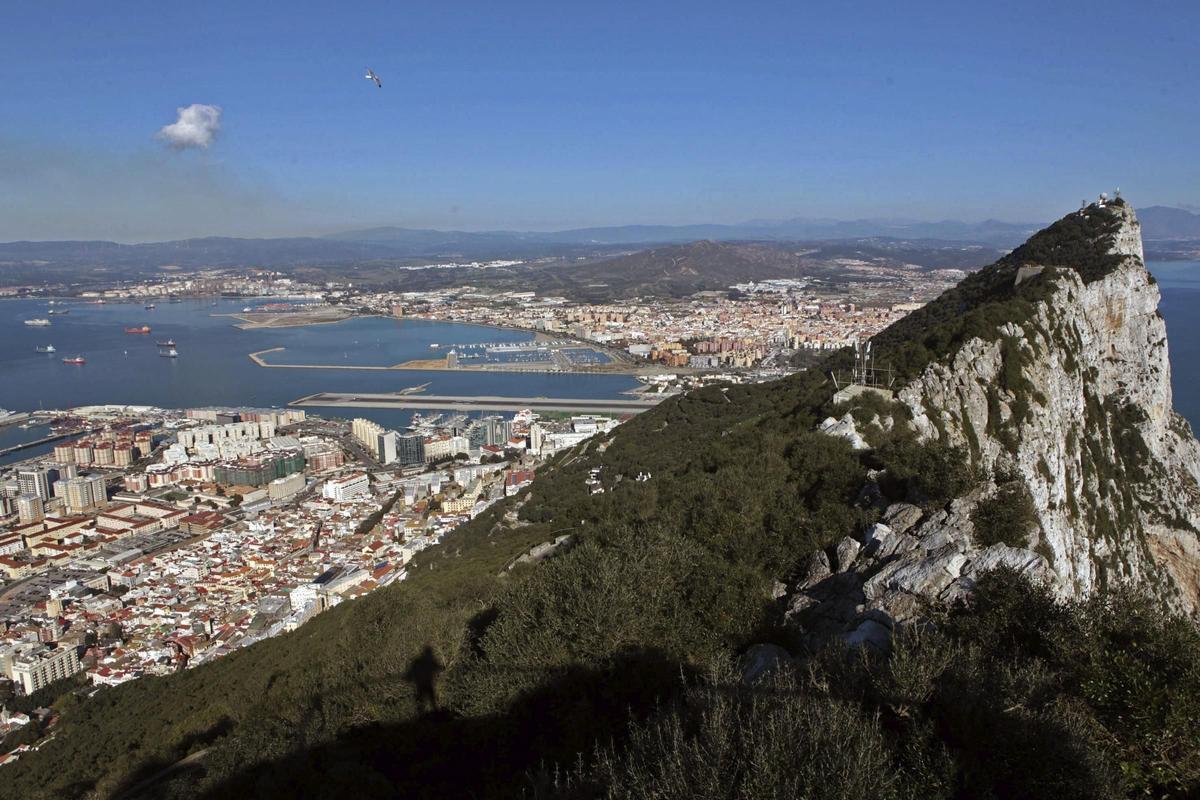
(423, 674)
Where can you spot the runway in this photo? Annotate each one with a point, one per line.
(466, 403)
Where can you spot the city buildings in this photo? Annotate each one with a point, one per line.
(187, 557)
(410, 449)
(342, 489)
(30, 508)
(371, 435)
(84, 493)
(35, 482)
(42, 666)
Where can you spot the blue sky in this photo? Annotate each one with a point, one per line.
(567, 114)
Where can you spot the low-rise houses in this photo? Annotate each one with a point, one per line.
(166, 577)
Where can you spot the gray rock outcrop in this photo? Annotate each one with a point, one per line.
(1073, 402)
(1113, 471)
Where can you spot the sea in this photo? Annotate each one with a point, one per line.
(213, 367)
(1179, 283)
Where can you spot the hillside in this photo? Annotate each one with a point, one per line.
(674, 271)
(682, 270)
(1012, 557)
(372, 254)
(1164, 222)
(586, 271)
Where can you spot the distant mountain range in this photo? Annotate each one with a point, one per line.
(1158, 222)
(993, 232)
(1163, 223)
(390, 246)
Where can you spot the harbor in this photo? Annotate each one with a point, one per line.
(520, 357)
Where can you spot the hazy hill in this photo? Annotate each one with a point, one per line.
(1164, 223)
(991, 232)
(371, 255)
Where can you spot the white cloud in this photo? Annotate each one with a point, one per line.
(197, 126)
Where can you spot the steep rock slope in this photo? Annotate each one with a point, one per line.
(1063, 403)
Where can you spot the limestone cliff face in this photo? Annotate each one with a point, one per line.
(1073, 401)
(1090, 429)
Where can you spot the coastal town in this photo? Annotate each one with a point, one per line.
(151, 540)
(776, 325)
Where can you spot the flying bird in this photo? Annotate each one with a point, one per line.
(371, 76)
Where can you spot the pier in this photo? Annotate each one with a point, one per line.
(482, 403)
(44, 440)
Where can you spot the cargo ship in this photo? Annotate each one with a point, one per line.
(142, 330)
(45, 348)
(76, 360)
(167, 343)
(37, 323)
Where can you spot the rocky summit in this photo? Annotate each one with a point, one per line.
(1066, 408)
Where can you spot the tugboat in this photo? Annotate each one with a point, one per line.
(45, 348)
(145, 329)
(76, 360)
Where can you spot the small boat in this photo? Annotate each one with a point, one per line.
(142, 330)
(76, 360)
(37, 323)
(58, 311)
(45, 348)
(172, 353)
(150, 306)
(167, 343)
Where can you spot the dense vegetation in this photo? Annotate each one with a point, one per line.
(610, 669)
(1011, 695)
(986, 299)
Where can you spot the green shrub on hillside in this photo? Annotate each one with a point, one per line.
(1006, 517)
(1011, 695)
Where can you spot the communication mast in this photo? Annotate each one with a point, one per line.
(865, 375)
